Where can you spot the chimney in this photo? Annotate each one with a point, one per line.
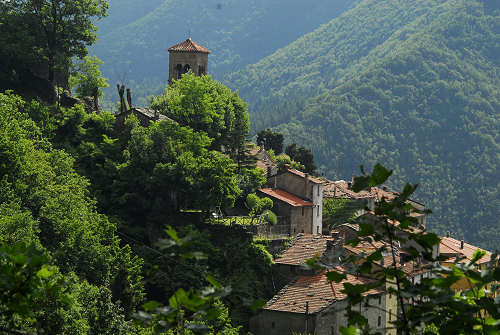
(275, 182)
(306, 185)
(448, 234)
(462, 244)
(156, 114)
(385, 188)
(335, 191)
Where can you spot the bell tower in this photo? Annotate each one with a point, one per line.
(185, 56)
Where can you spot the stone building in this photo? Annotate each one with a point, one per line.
(264, 161)
(342, 189)
(144, 115)
(305, 246)
(185, 56)
(299, 198)
(312, 305)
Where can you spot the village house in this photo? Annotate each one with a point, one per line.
(144, 115)
(297, 197)
(305, 246)
(264, 161)
(312, 305)
(451, 249)
(307, 302)
(367, 199)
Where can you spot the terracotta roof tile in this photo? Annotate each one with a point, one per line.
(189, 46)
(342, 189)
(313, 180)
(304, 247)
(315, 290)
(451, 246)
(264, 161)
(286, 197)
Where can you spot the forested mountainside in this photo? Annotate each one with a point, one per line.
(412, 84)
(134, 38)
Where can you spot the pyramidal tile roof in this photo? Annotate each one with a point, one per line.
(189, 46)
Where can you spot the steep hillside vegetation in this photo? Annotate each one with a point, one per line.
(134, 37)
(411, 84)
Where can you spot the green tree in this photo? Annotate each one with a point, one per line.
(86, 77)
(303, 156)
(270, 140)
(52, 30)
(42, 193)
(206, 105)
(168, 167)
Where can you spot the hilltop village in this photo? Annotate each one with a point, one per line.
(303, 168)
(305, 301)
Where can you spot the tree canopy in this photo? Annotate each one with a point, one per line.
(48, 32)
(206, 105)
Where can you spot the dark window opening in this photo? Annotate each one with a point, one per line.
(390, 315)
(187, 68)
(379, 321)
(201, 70)
(178, 69)
(317, 230)
(379, 300)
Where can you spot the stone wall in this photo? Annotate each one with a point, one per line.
(281, 323)
(196, 60)
(301, 220)
(293, 184)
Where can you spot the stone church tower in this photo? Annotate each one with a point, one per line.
(185, 56)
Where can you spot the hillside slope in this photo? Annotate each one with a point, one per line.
(134, 37)
(414, 85)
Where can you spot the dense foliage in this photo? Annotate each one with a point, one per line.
(411, 84)
(45, 204)
(47, 33)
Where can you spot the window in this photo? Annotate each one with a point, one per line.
(317, 188)
(187, 67)
(317, 229)
(201, 70)
(317, 213)
(302, 211)
(379, 300)
(178, 69)
(390, 315)
(379, 323)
